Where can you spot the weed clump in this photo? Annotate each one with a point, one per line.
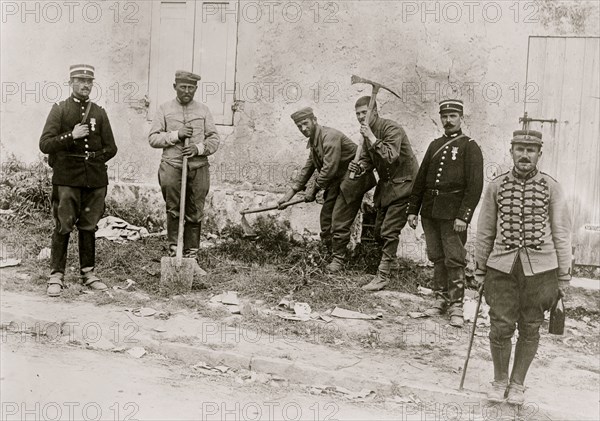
(25, 189)
(272, 243)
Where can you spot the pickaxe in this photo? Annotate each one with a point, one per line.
(376, 87)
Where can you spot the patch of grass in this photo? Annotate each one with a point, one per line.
(268, 267)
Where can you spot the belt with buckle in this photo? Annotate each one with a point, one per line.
(87, 155)
(436, 192)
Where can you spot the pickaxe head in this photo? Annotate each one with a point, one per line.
(357, 79)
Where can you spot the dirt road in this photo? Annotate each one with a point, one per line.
(46, 381)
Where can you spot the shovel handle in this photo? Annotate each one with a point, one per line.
(184, 170)
(273, 207)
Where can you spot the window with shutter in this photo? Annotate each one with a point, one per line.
(200, 36)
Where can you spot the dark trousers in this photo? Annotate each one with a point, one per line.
(446, 249)
(330, 197)
(517, 302)
(198, 184)
(72, 207)
(388, 224)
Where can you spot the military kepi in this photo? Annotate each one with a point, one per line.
(527, 136)
(301, 114)
(84, 71)
(451, 105)
(186, 77)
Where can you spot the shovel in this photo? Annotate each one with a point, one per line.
(177, 273)
(248, 231)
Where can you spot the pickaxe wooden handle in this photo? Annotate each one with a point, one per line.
(376, 87)
(273, 207)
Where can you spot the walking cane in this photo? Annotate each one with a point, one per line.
(464, 373)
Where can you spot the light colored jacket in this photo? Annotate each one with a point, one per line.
(526, 217)
(169, 118)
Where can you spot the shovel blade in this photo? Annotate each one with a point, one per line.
(248, 231)
(176, 278)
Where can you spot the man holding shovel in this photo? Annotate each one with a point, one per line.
(184, 127)
(387, 150)
(330, 153)
(524, 254)
(446, 191)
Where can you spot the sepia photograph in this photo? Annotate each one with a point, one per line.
(300, 210)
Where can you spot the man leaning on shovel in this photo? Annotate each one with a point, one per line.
(184, 127)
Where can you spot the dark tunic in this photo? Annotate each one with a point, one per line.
(81, 162)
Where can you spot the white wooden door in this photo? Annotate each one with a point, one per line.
(563, 83)
(201, 37)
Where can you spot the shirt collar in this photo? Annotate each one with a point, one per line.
(453, 135)
(79, 100)
(183, 105)
(313, 140)
(527, 176)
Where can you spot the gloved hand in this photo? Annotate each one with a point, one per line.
(285, 198)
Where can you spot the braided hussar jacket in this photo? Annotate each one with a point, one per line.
(525, 217)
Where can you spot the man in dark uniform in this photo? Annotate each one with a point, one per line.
(524, 254)
(387, 150)
(79, 140)
(447, 190)
(177, 122)
(330, 153)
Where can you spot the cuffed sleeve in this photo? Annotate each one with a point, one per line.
(473, 180)
(211, 136)
(159, 137)
(51, 140)
(560, 222)
(388, 147)
(305, 174)
(332, 154)
(486, 227)
(108, 139)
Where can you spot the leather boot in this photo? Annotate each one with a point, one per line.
(172, 230)
(191, 239)
(87, 261)
(516, 394)
(440, 289)
(525, 351)
(87, 250)
(500, 351)
(382, 279)
(58, 252)
(336, 265)
(456, 293)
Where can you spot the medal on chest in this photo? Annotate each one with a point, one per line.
(454, 152)
(93, 124)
